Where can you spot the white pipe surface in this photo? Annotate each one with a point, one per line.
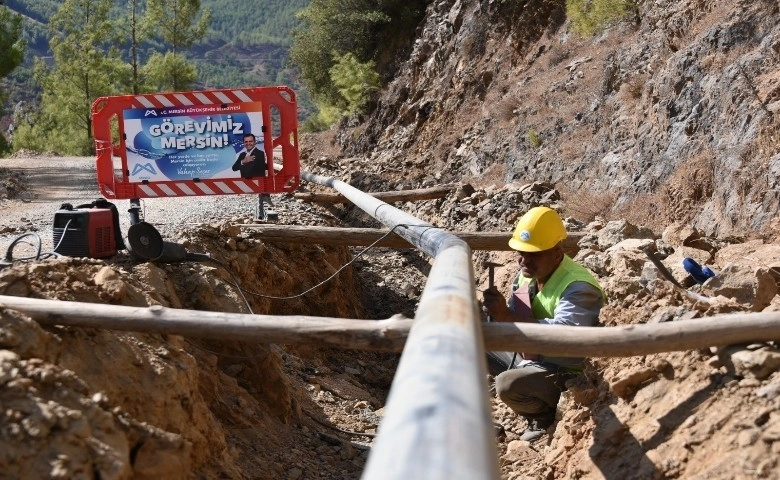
(437, 422)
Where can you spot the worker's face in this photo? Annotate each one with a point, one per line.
(249, 143)
(539, 265)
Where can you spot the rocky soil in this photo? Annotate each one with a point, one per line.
(91, 402)
(84, 403)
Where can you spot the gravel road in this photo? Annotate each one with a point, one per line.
(52, 181)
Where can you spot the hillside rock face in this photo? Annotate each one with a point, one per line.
(668, 116)
(666, 125)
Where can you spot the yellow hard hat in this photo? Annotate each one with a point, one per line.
(539, 229)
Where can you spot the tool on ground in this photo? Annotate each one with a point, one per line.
(146, 243)
(89, 230)
(697, 272)
(696, 297)
(661, 267)
(92, 230)
(491, 279)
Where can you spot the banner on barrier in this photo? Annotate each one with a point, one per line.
(192, 143)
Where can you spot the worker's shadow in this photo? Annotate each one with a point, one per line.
(619, 455)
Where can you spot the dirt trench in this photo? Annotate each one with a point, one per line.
(87, 402)
(82, 403)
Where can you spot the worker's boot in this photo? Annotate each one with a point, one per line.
(537, 426)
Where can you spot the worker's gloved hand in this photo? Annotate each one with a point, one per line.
(494, 304)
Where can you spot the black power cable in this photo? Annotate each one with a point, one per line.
(9, 259)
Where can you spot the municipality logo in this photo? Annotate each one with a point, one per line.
(150, 112)
(145, 167)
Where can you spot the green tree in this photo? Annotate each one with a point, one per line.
(11, 43)
(176, 23)
(355, 81)
(133, 21)
(331, 29)
(371, 30)
(86, 66)
(11, 53)
(169, 72)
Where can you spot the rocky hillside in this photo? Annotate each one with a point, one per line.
(667, 116)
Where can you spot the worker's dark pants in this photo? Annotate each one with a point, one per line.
(532, 389)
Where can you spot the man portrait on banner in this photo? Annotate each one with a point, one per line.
(251, 161)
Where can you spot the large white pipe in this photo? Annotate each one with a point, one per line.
(437, 422)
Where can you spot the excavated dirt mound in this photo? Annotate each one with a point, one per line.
(88, 402)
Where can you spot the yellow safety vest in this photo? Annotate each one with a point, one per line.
(544, 303)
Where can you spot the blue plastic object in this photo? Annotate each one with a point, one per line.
(697, 272)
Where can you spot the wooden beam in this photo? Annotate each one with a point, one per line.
(391, 334)
(492, 241)
(382, 335)
(440, 191)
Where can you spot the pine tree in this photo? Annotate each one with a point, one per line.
(11, 43)
(176, 23)
(169, 72)
(134, 27)
(356, 81)
(11, 52)
(370, 31)
(87, 65)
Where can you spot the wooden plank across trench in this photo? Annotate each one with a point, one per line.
(337, 236)
(391, 334)
(430, 193)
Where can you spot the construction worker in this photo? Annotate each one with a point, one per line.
(550, 289)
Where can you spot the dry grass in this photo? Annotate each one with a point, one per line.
(644, 210)
(676, 200)
(753, 179)
(719, 61)
(556, 55)
(764, 146)
(695, 182)
(321, 144)
(632, 89)
(770, 233)
(701, 25)
(508, 107)
(585, 205)
(689, 186)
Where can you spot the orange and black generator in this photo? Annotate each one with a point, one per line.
(90, 230)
